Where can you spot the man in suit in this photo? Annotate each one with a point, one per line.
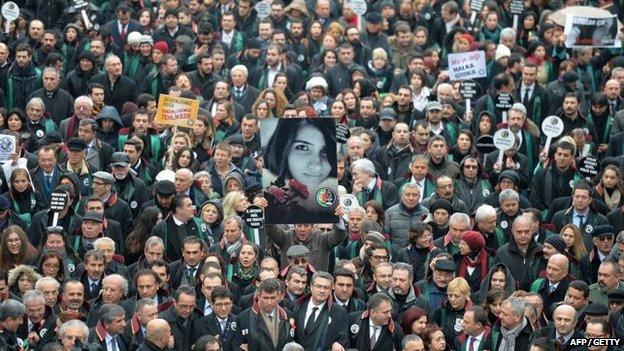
(322, 323)
(532, 95)
(109, 331)
(581, 214)
(374, 329)
(91, 278)
(117, 88)
(177, 226)
(123, 25)
(172, 29)
(37, 321)
(221, 321)
(476, 334)
(146, 285)
(83, 107)
(553, 288)
(367, 185)
(243, 93)
(12, 314)
(187, 269)
(344, 291)
(562, 329)
(513, 328)
(602, 238)
(146, 311)
(98, 153)
(46, 175)
(180, 316)
(265, 326)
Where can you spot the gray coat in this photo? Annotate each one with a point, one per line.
(398, 222)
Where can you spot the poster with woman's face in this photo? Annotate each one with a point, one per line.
(299, 174)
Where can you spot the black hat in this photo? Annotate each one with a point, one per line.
(596, 309)
(120, 159)
(374, 18)
(387, 113)
(557, 242)
(76, 144)
(601, 230)
(87, 54)
(165, 188)
(441, 204)
(93, 216)
(445, 265)
(570, 77)
(53, 137)
(171, 12)
(236, 139)
(253, 43)
(616, 295)
(509, 174)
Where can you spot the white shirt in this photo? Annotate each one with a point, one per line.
(272, 73)
(222, 324)
(374, 330)
(109, 343)
(476, 342)
(309, 311)
(340, 302)
(227, 37)
(207, 308)
(576, 219)
(565, 337)
(421, 185)
(177, 222)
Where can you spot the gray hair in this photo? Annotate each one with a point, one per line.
(122, 280)
(620, 238)
(293, 346)
(411, 185)
(484, 211)
(144, 302)
(234, 218)
(88, 122)
(376, 300)
(616, 70)
(357, 209)
(11, 309)
(52, 70)
(322, 275)
(356, 139)
(365, 165)
(109, 58)
(85, 99)
(74, 323)
(153, 241)
(402, 266)
(102, 240)
(241, 68)
(517, 305)
(505, 32)
(202, 174)
(185, 171)
(459, 217)
(43, 280)
(33, 296)
(110, 311)
(410, 338)
(35, 100)
(508, 194)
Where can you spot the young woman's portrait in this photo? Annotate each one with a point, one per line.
(299, 176)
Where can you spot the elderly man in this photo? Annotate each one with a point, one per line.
(367, 185)
(50, 288)
(243, 93)
(39, 320)
(154, 249)
(402, 292)
(146, 311)
(400, 217)
(73, 332)
(513, 327)
(114, 290)
(59, 103)
(485, 223)
(445, 189)
(117, 88)
(519, 252)
(83, 105)
(128, 186)
(608, 280)
(318, 242)
(11, 317)
(562, 329)
(114, 207)
(158, 336)
(232, 238)
(433, 289)
(602, 238)
(554, 287)
(458, 224)
(109, 331)
(419, 174)
(72, 300)
(396, 156)
(184, 185)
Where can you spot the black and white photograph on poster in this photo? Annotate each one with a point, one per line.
(582, 31)
(300, 170)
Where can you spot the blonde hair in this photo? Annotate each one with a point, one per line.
(578, 249)
(230, 200)
(459, 285)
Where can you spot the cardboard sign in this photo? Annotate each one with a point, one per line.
(263, 8)
(516, 7)
(10, 11)
(504, 139)
(584, 31)
(348, 201)
(589, 166)
(552, 127)
(176, 111)
(504, 101)
(468, 89)
(254, 217)
(467, 65)
(58, 201)
(359, 7)
(80, 4)
(7, 147)
(342, 133)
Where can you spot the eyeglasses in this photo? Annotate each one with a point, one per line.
(222, 304)
(380, 258)
(605, 238)
(470, 166)
(300, 260)
(322, 287)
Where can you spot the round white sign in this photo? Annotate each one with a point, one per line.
(552, 126)
(348, 202)
(359, 7)
(263, 9)
(504, 139)
(10, 11)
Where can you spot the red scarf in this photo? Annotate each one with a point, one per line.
(481, 260)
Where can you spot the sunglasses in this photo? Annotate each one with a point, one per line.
(300, 260)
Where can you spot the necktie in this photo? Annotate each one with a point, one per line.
(113, 344)
(471, 344)
(373, 339)
(190, 273)
(93, 287)
(48, 179)
(239, 92)
(552, 288)
(122, 34)
(561, 340)
(581, 221)
(223, 326)
(526, 97)
(310, 322)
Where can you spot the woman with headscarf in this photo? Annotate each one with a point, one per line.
(474, 263)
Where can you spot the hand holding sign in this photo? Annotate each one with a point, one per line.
(504, 139)
(504, 102)
(468, 90)
(552, 127)
(10, 12)
(58, 201)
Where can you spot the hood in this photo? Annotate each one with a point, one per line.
(479, 167)
(111, 113)
(217, 204)
(233, 175)
(16, 272)
(73, 177)
(510, 285)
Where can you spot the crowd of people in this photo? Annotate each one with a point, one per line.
(446, 244)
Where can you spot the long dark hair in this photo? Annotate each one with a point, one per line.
(280, 144)
(137, 238)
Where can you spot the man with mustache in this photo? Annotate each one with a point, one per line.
(608, 280)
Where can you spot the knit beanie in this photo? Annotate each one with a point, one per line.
(474, 239)
(441, 204)
(557, 242)
(162, 46)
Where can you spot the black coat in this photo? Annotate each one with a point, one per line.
(550, 333)
(181, 331)
(173, 244)
(518, 264)
(209, 325)
(522, 340)
(389, 338)
(591, 220)
(45, 330)
(59, 106)
(43, 219)
(252, 330)
(177, 274)
(329, 326)
(124, 89)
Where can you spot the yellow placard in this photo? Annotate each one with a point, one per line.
(176, 111)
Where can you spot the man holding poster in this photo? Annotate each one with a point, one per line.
(176, 111)
(582, 31)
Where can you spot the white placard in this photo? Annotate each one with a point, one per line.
(7, 147)
(583, 31)
(504, 139)
(348, 201)
(10, 11)
(263, 8)
(359, 7)
(467, 65)
(552, 127)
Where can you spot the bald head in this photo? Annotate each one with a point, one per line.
(158, 332)
(612, 89)
(564, 318)
(557, 268)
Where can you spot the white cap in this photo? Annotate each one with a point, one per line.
(502, 51)
(316, 82)
(134, 38)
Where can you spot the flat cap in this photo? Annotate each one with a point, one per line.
(375, 237)
(297, 250)
(374, 18)
(165, 188)
(387, 113)
(93, 216)
(76, 144)
(105, 177)
(120, 159)
(602, 230)
(445, 265)
(616, 295)
(434, 105)
(570, 77)
(596, 309)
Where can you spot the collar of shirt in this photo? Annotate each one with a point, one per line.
(371, 330)
(311, 305)
(177, 222)
(576, 213)
(371, 184)
(340, 302)
(565, 337)
(477, 340)
(189, 267)
(108, 339)
(552, 284)
(91, 281)
(601, 256)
